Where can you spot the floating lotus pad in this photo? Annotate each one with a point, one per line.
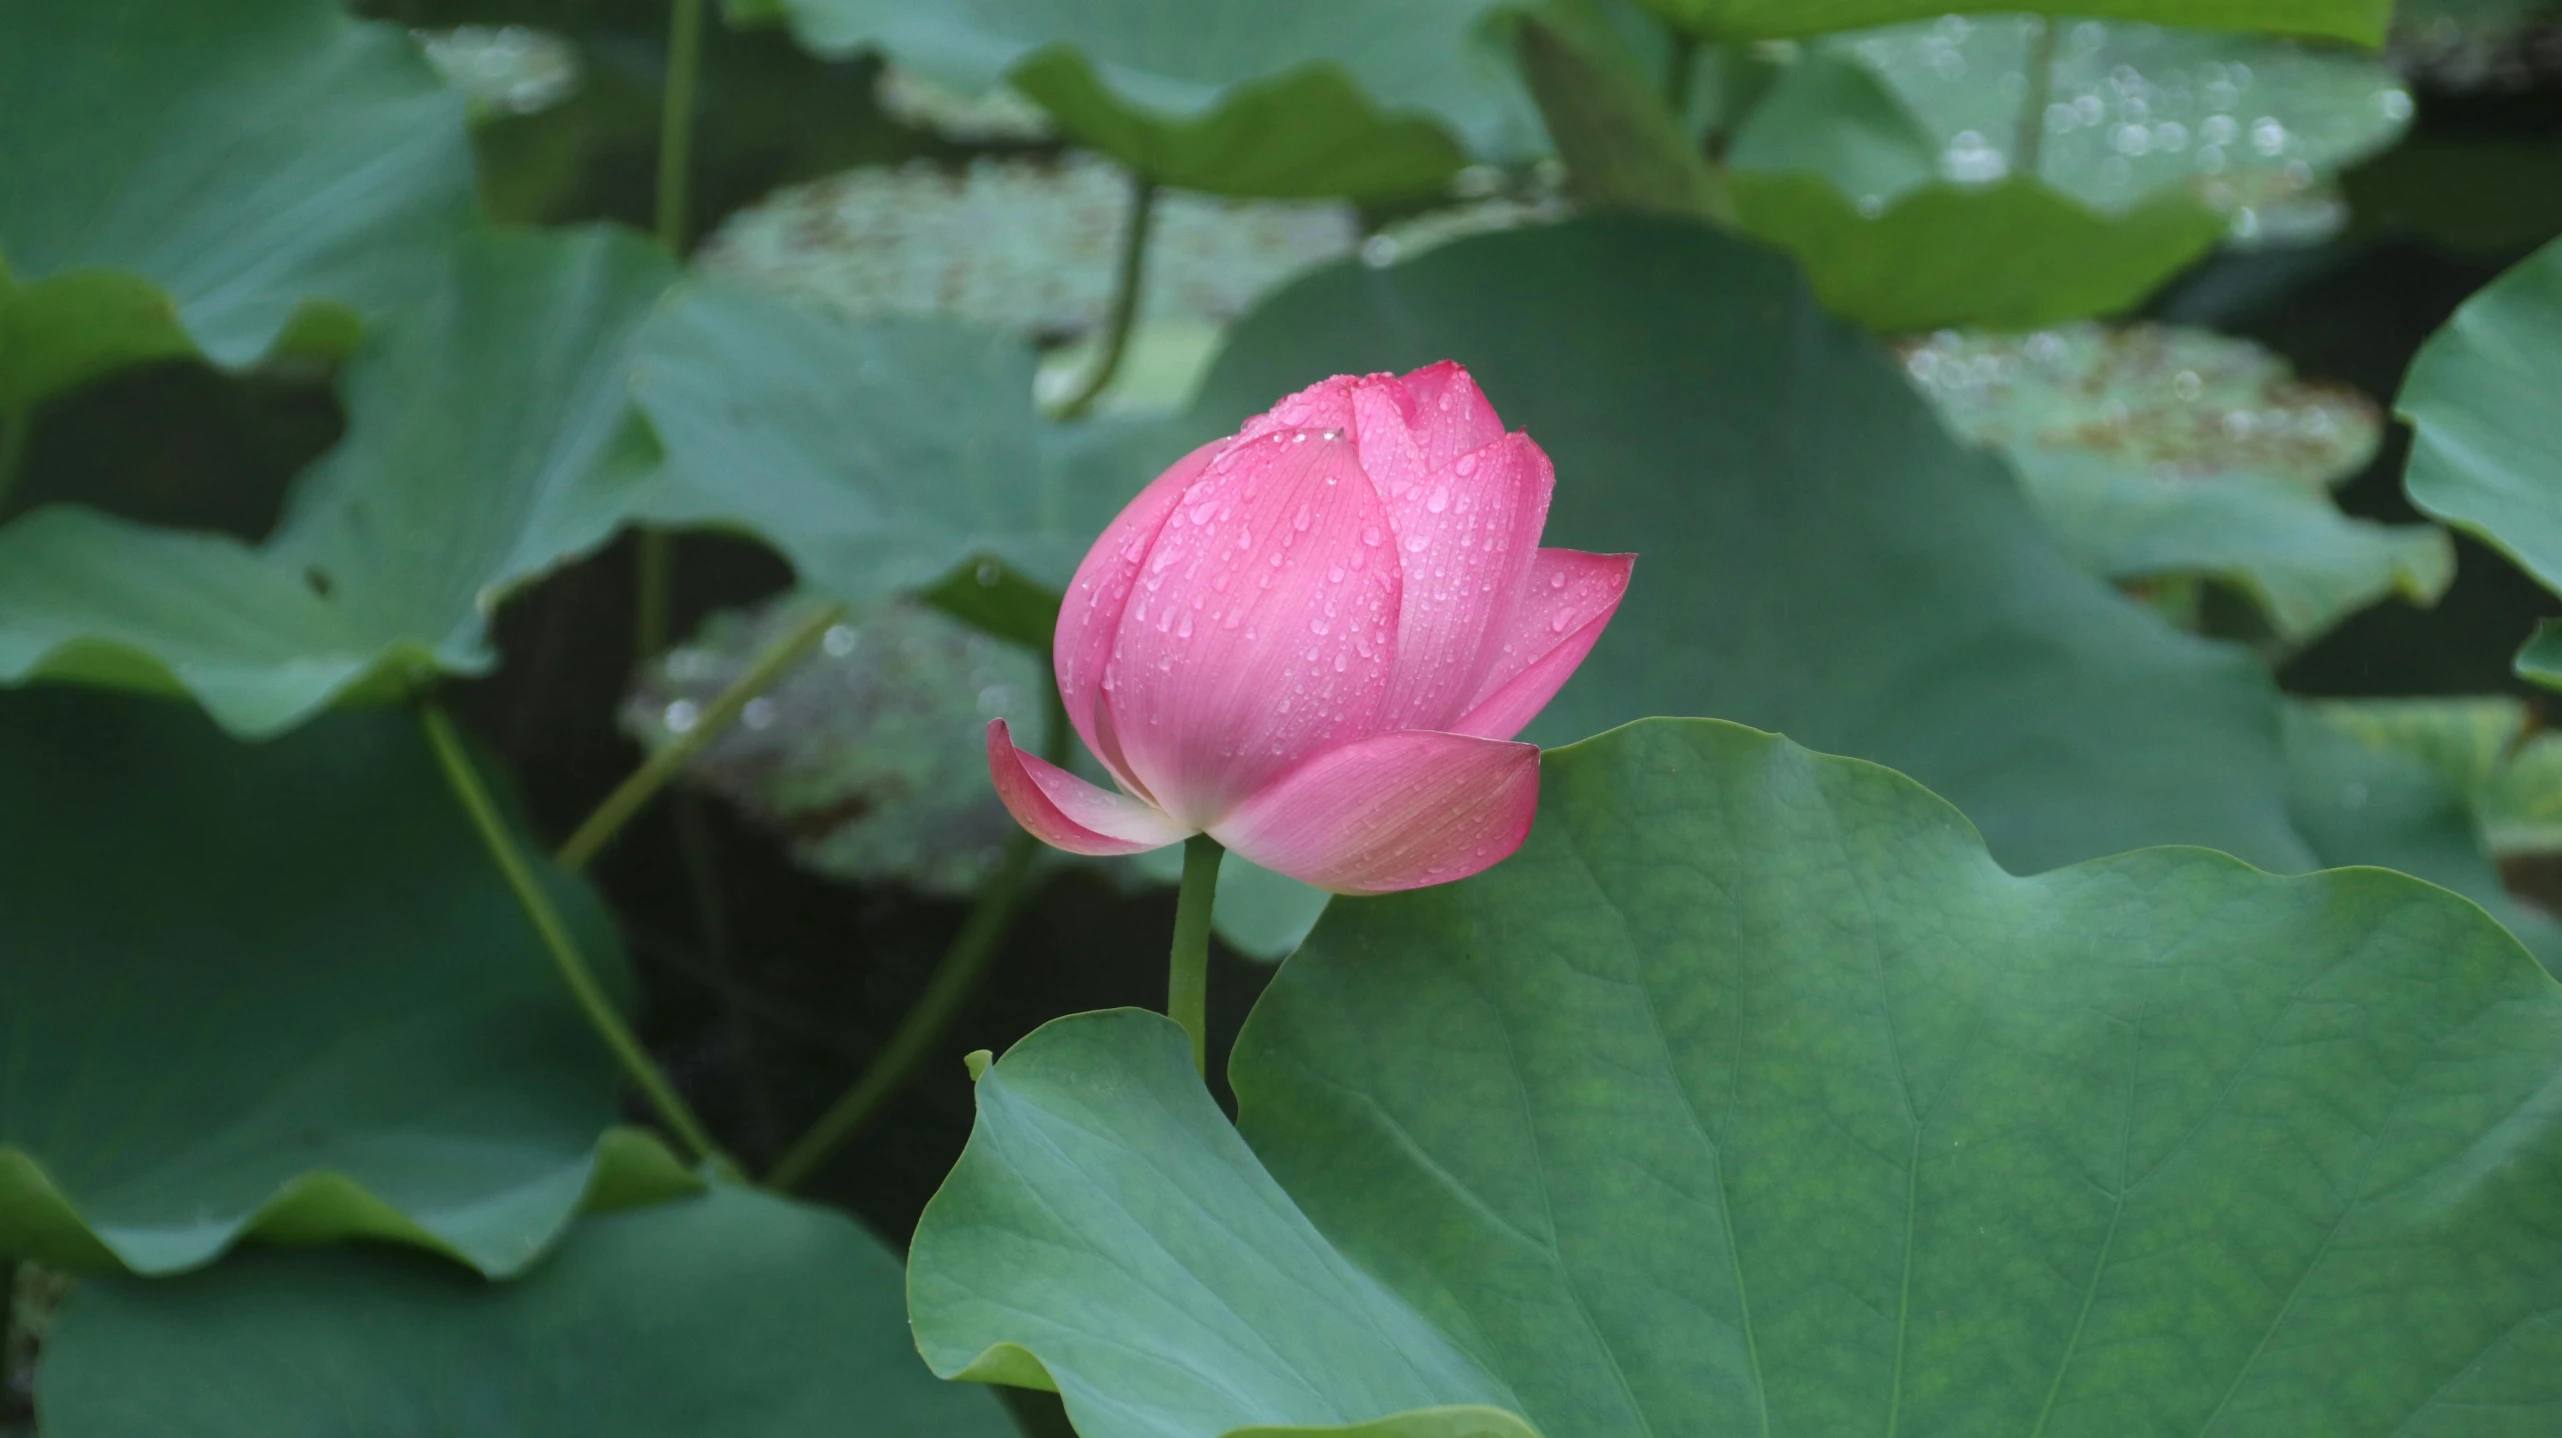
(2154, 450)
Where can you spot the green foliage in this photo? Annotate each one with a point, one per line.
(811, 432)
(278, 991)
(2486, 445)
(2132, 110)
(1322, 97)
(734, 1313)
(2366, 792)
(2358, 21)
(2488, 748)
(489, 440)
(2154, 451)
(2015, 255)
(1753, 1093)
(214, 179)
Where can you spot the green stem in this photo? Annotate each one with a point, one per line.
(1126, 283)
(1187, 977)
(644, 782)
(1623, 146)
(2028, 151)
(955, 979)
(657, 564)
(17, 428)
(675, 199)
(676, 122)
(591, 996)
(1679, 69)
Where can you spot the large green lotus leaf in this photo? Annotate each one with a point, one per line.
(878, 457)
(2486, 443)
(2359, 21)
(277, 990)
(1751, 1096)
(2014, 255)
(1815, 553)
(489, 439)
(2151, 450)
(2249, 125)
(180, 178)
(2359, 798)
(1320, 97)
(737, 1313)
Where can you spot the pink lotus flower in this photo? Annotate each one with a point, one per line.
(1315, 640)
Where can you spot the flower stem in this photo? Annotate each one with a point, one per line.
(1187, 978)
(538, 906)
(644, 782)
(955, 979)
(1126, 284)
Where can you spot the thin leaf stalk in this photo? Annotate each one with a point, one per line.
(643, 783)
(1128, 280)
(602, 1015)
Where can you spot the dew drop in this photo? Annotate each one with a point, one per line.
(1419, 544)
(1440, 499)
(1556, 581)
(1370, 536)
(1466, 466)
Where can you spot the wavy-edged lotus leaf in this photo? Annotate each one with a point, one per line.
(736, 1313)
(1752, 1095)
(1816, 554)
(489, 439)
(2360, 22)
(1317, 98)
(1028, 246)
(279, 991)
(2151, 450)
(2368, 789)
(188, 179)
(2132, 110)
(2486, 437)
(2488, 747)
(2011, 255)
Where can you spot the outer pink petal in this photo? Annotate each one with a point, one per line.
(1263, 626)
(1065, 812)
(1564, 607)
(1091, 615)
(1394, 811)
(1467, 536)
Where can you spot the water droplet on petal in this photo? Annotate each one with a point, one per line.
(1419, 543)
(1466, 466)
(1440, 499)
